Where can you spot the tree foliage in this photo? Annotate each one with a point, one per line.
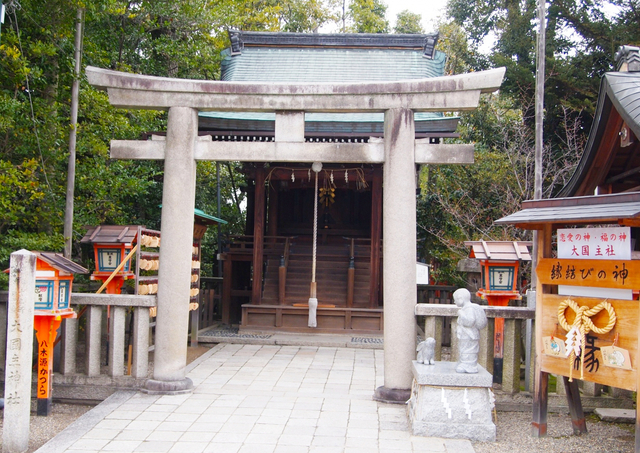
(368, 16)
(160, 37)
(461, 203)
(408, 23)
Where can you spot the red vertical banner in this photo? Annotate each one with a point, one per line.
(46, 330)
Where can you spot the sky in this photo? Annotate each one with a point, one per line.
(428, 9)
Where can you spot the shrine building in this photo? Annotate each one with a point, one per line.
(277, 248)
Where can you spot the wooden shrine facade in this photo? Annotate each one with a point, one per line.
(268, 271)
(280, 229)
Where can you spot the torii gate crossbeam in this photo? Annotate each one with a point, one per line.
(399, 151)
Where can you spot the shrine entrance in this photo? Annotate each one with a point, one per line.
(398, 151)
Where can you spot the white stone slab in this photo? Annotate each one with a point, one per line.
(444, 374)
(616, 415)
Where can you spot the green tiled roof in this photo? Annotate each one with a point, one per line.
(358, 123)
(274, 57)
(258, 64)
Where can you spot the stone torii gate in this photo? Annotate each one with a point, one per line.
(399, 151)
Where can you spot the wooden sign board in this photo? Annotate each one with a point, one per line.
(595, 370)
(621, 274)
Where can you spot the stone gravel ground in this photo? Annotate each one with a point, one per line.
(514, 436)
(41, 429)
(513, 433)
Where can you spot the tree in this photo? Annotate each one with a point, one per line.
(163, 38)
(460, 203)
(304, 16)
(408, 23)
(581, 40)
(368, 16)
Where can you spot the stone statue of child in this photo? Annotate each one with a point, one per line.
(471, 318)
(427, 351)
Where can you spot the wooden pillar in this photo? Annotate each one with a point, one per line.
(575, 406)
(376, 235)
(227, 284)
(272, 221)
(637, 387)
(540, 386)
(258, 237)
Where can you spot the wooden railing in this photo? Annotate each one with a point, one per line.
(209, 306)
(513, 316)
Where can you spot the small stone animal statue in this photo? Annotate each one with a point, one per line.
(426, 351)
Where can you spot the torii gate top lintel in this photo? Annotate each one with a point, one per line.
(450, 93)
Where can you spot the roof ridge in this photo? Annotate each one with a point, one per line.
(240, 39)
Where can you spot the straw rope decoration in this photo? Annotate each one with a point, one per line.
(582, 325)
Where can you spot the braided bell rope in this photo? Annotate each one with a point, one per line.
(584, 325)
(315, 232)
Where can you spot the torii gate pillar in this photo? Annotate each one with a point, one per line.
(174, 272)
(399, 251)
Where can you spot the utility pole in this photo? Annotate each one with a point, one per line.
(71, 172)
(537, 187)
(1, 16)
(540, 74)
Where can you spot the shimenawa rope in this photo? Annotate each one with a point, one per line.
(582, 325)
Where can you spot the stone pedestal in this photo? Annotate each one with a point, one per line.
(448, 404)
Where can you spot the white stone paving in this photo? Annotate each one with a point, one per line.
(266, 398)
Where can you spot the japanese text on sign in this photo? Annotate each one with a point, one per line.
(593, 273)
(595, 243)
(43, 370)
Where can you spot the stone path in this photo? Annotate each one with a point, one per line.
(258, 398)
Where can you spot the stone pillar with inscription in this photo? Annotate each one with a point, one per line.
(17, 390)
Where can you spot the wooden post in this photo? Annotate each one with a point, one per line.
(637, 358)
(282, 281)
(540, 390)
(351, 274)
(376, 236)
(46, 330)
(258, 237)
(226, 291)
(272, 213)
(575, 406)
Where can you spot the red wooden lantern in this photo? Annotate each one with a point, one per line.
(111, 244)
(54, 280)
(500, 262)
